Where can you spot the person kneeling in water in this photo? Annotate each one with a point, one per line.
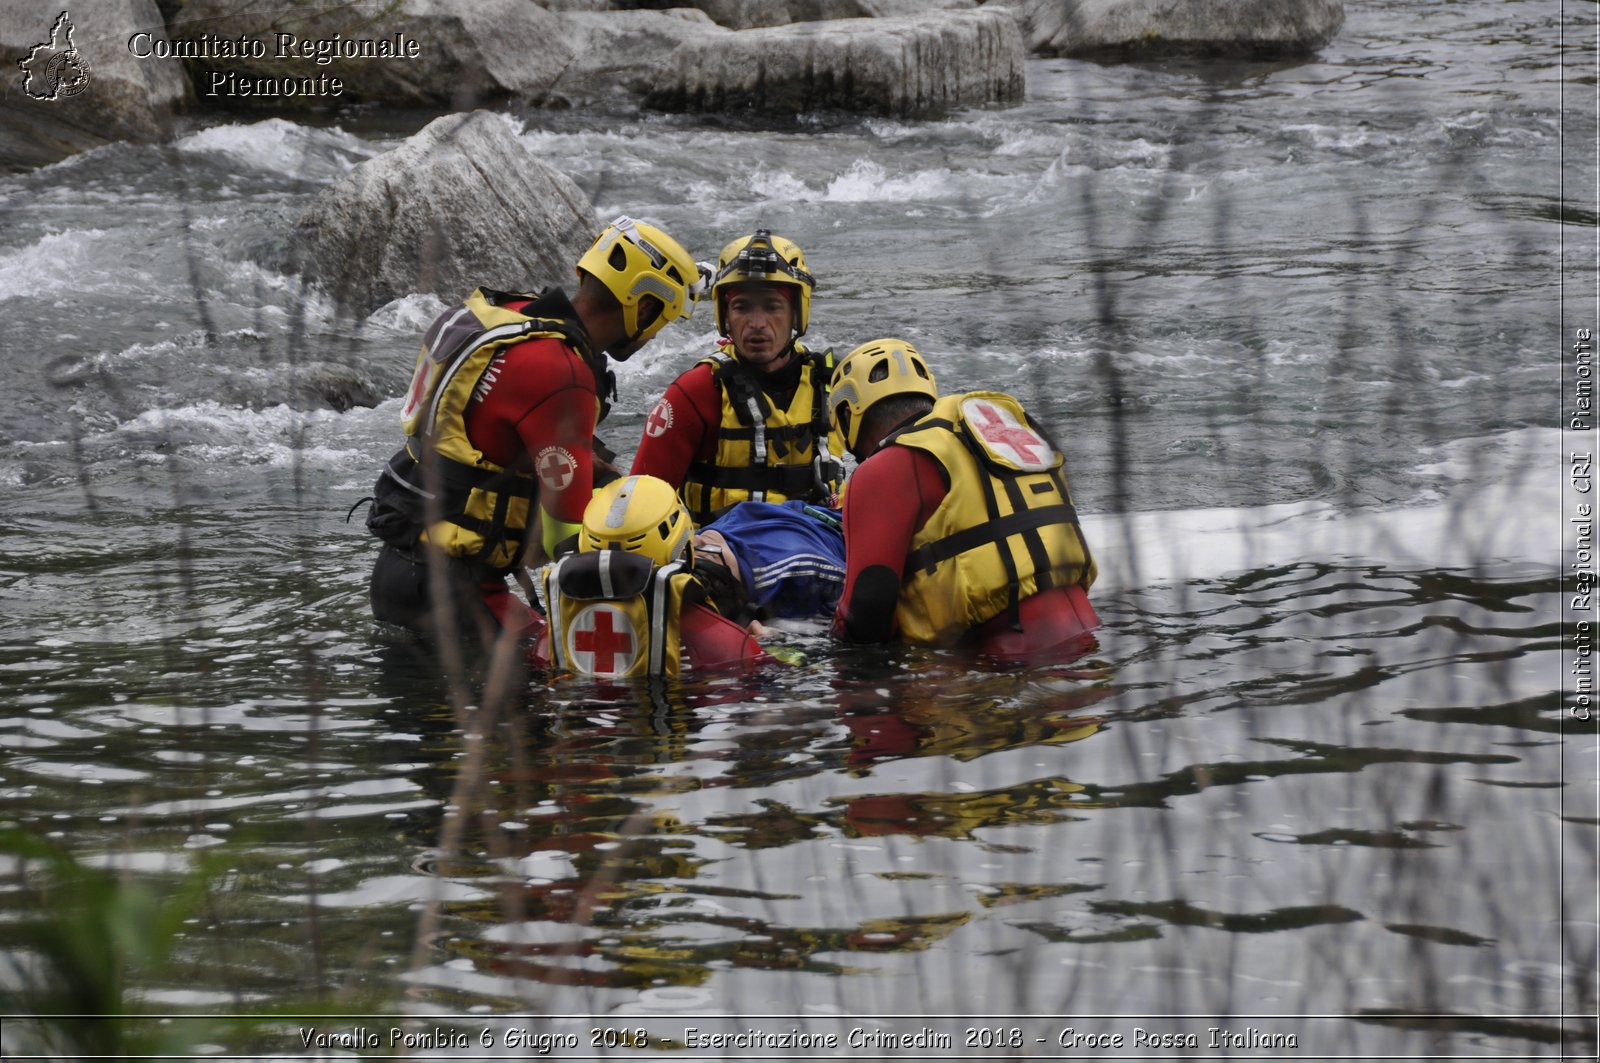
(958, 523)
(633, 598)
(499, 422)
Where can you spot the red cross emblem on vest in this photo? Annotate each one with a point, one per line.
(1005, 437)
(556, 467)
(659, 421)
(601, 641)
(418, 391)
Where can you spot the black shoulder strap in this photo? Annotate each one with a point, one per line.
(821, 372)
(744, 393)
(917, 425)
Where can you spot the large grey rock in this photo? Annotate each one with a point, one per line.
(748, 14)
(897, 8)
(1135, 29)
(468, 51)
(622, 53)
(101, 91)
(756, 14)
(907, 66)
(461, 203)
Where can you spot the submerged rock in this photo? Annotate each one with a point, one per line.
(330, 385)
(1148, 29)
(460, 204)
(894, 66)
(72, 82)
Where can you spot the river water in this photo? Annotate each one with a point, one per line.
(1299, 328)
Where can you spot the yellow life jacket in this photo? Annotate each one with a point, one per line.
(614, 614)
(764, 453)
(482, 511)
(1006, 530)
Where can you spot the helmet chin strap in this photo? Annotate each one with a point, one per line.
(788, 350)
(628, 341)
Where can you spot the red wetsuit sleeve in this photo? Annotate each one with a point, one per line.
(715, 642)
(680, 428)
(559, 434)
(892, 494)
(534, 410)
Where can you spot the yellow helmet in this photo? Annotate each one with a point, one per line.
(762, 258)
(639, 514)
(634, 260)
(875, 370)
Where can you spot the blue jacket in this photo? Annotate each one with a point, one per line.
(791, 555)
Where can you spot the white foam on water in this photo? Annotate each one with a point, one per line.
(1501, 135)
(760, 185)
(281, 146)
(1505, 508)
(889, 129)
(1340, 138)
(643, 379)
(274, 436)
(867, 182)
(864, 181)
(410, 315)
(74, 261)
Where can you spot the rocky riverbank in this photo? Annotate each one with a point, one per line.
(122, 69)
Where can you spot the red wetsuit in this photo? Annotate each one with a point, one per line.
(892, 494)
(712, 641)
(682, 428)
(534, 410)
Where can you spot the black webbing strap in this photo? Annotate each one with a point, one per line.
(820, 372)
(734, 375)
(798, 433)
(791, 481)
(928, 557)
(1030, 537)
(459, 479)
(992, 504)
(917, 426)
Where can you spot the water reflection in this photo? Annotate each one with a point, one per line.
(1272, 756)
(604, 874)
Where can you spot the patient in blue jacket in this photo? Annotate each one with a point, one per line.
(765, 560)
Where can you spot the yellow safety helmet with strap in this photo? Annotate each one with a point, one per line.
(874, 371)
(634, 260)
(762, 258)
(639, 515)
